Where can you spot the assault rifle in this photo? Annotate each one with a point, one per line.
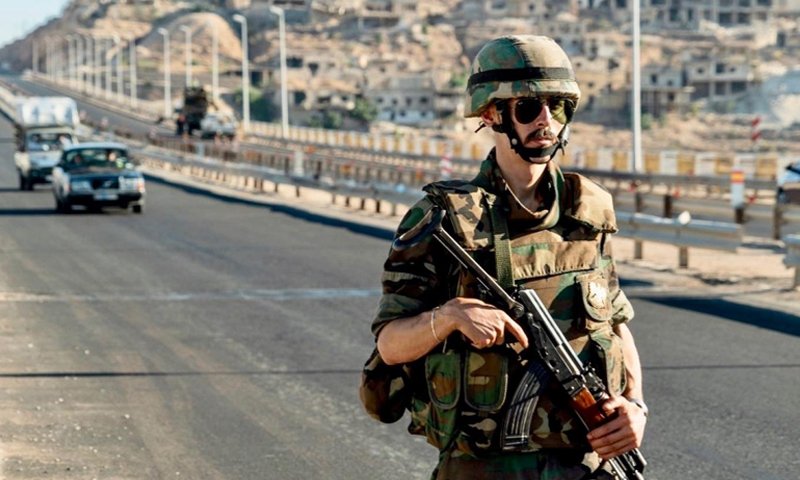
(552, 350)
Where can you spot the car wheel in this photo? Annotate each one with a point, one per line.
(137, 209)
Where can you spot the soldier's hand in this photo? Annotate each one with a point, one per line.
(622, 433)
(483, 324)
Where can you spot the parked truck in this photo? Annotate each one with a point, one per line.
(192, 111)
(43, 127)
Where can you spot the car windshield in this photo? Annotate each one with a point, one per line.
(47, 142)
(96, 157)
(790, 175)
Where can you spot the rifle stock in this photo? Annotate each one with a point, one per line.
(585, 390)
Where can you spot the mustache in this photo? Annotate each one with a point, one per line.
(545, 132)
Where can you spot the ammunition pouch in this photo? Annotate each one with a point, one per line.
(385, 390)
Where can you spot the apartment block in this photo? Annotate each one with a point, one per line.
(713, 78)
(688, 14)
(663, 90)
(405, 99)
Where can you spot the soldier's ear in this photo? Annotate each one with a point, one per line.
(490, 115)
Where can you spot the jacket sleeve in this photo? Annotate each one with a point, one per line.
(412, 279)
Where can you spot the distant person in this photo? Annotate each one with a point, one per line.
(535, 227)
(35, 142)
(77, 160)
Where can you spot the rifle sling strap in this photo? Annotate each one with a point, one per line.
(502, 242)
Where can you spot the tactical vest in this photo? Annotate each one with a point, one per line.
(465, 394)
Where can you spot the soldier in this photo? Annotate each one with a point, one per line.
(529, 224)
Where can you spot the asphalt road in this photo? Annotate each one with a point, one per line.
(213, 339)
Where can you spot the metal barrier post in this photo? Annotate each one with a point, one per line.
(668, 205)
(792, 258)
(777, 221)
(638, 245)
(737, 195)
(683, 257)
(738, 215)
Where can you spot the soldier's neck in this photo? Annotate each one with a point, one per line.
(522, 177)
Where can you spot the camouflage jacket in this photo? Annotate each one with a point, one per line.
(562, 251)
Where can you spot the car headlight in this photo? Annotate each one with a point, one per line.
(80, 185)
(131, 184)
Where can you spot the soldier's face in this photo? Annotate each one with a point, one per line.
(538, 120)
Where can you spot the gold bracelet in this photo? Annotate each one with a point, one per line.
(433, 328)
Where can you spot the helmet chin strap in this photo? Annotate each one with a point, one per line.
(530, 154)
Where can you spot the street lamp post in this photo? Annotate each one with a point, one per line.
(73, 62)
(74, 42)
(215, 62)
(188, 52)
(167, 88)
(46, 56)
(284, 88)
(636, 91)
(109, 71)
(245, 74)
(98, 65)
(35, 59)
(118, 58)
(132, 64)
(88, 61)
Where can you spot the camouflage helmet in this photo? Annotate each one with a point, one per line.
(519, 66)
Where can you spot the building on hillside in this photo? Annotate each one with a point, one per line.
(682, 14)
(601, 44)
(407, 99)
(714, 78)
(567, 31)
(385, 13)
(535, 10)
(295, 11)
(663, 90)
(788, 37)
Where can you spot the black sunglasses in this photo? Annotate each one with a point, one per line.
(527, 109)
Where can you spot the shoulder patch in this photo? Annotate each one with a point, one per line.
(589, 203)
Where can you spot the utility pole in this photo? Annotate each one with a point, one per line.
(637, 91)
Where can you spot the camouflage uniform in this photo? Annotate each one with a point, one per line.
(458, 394)
(563, 252)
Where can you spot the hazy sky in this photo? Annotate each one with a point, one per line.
(18, 17)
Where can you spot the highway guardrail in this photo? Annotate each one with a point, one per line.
(689, 234)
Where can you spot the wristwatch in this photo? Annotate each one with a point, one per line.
(640, 403)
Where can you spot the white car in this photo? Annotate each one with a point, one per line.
(217, 124)
(789, 184)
